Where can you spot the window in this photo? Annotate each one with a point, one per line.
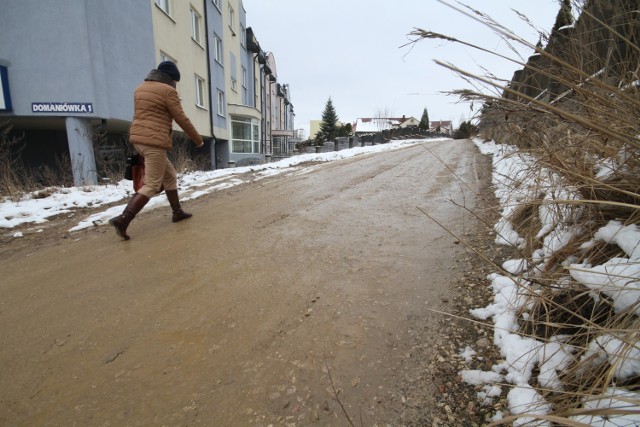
(220, 103)
(200, 92)
(217, 46)
(165, 57)
(278, 146)
(234, 84)
(195, 26)
(243, 37)
(245, 135)
(246, 99)
(164, 5)
(232, 20)
(5, 95)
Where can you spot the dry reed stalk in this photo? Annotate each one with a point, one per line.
(583, 127)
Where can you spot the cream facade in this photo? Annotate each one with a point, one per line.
(314, 127)
(179, 34)
(409, 122)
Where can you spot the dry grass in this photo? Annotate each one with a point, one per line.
(576, 113)
(18, 179)
(110, 157)
(186, 158)
(12, 176)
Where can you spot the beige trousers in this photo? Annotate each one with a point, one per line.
(158, 170)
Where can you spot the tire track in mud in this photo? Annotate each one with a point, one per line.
(238, 315)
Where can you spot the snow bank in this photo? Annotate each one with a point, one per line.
(617, 279)
(36, 209)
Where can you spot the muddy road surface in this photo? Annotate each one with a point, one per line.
(286, 301)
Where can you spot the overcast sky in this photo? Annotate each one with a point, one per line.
(350, 50)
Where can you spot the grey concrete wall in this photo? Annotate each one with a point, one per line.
(83, 164)
(79, 60)
(123, 51)
(76, 51)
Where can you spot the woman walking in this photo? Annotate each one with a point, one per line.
(156, 106)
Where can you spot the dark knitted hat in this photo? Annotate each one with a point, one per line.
(171, 69)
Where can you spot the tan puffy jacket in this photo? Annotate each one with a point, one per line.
(156, 106)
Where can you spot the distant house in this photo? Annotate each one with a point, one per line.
(314, 127)
(379, 124)
(407, 122)
(444, 127)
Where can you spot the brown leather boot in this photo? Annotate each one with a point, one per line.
(178, 213)
(121, 222)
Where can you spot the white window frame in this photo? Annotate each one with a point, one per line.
(245, 91)
(217, 49)
(243, 36)
(165, 6)
(221, 103)
(165, 57)
(234, 84)
(218, 4)
(232, 19)
(196, 20)
(200, 91)
(254, 130)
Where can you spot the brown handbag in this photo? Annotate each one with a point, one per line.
(137, 172)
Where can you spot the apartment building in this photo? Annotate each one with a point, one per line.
(277, 110)
(282, 116)
(237, 112)
(68, 70)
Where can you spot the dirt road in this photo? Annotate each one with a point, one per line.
(251, 312)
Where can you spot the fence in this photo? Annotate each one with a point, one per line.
(342, 143)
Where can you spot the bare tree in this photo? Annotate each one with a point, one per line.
(381, 118)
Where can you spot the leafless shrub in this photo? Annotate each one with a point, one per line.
(58, 175)
(185, 158)
(15, 177)
(110, 157)
(11, 169)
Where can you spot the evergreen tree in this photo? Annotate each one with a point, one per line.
(466, 130)
(424, 121)
(329, 124)
(345, 130)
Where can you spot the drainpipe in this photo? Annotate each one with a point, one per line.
(261, 79)
(213, 142)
